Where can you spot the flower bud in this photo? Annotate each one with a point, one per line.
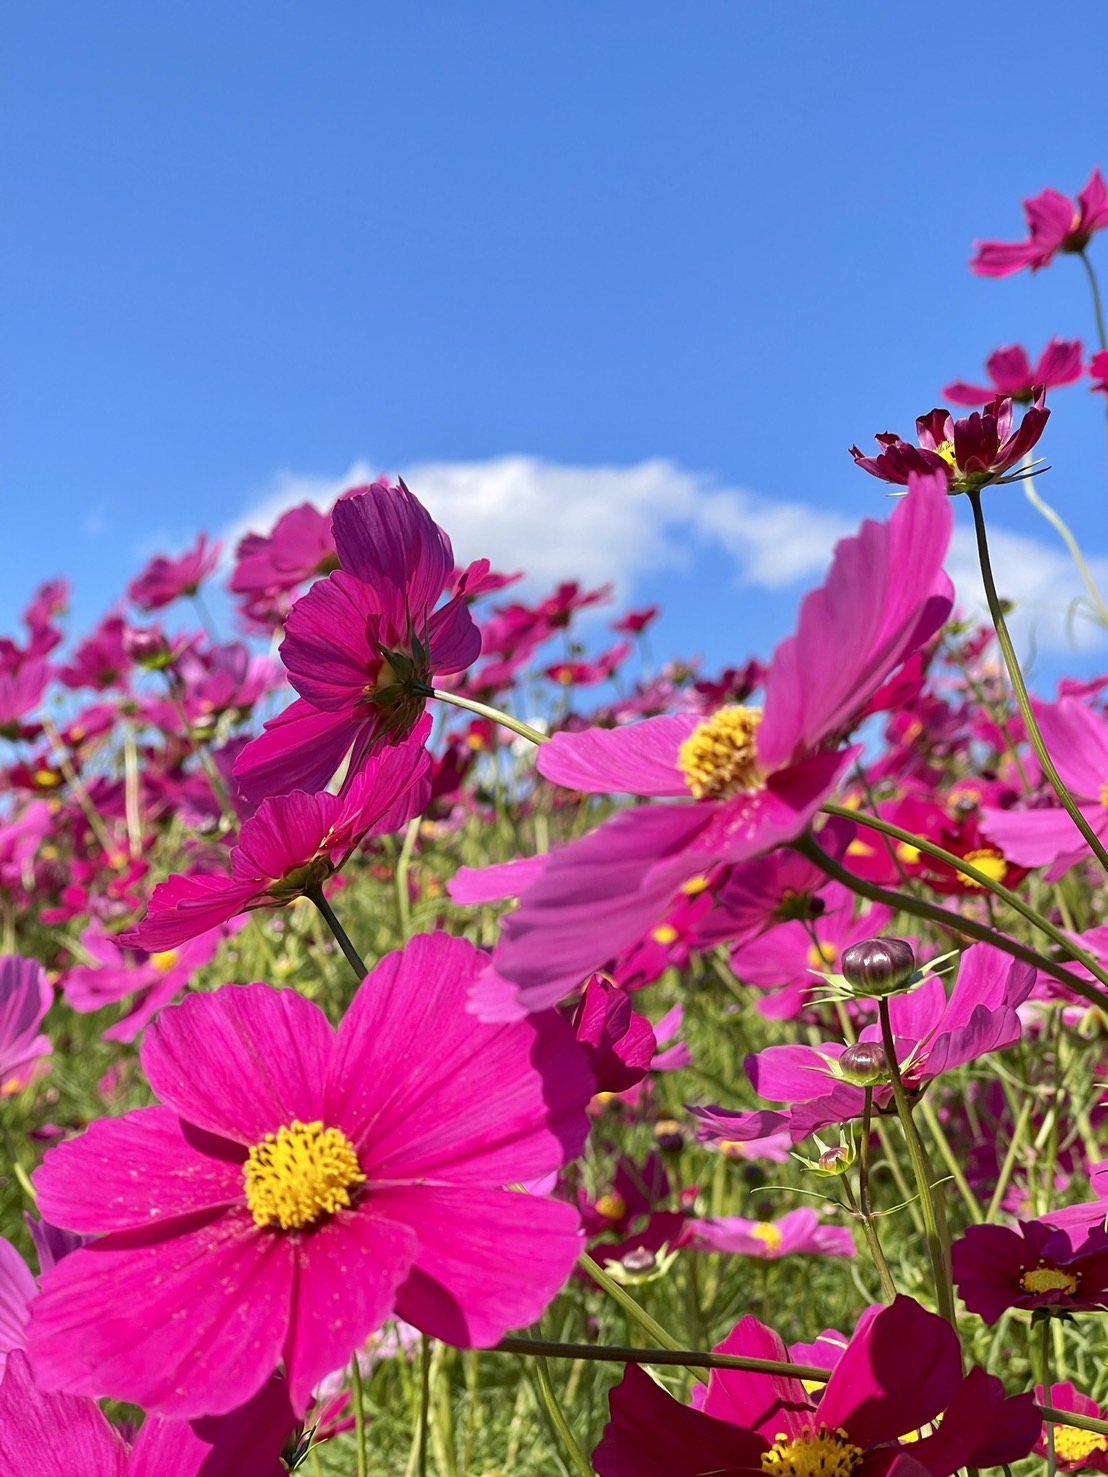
(878, 967)
(147, 647)
(865, 1064)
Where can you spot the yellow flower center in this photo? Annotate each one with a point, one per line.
(665, 933)
(1050, 1279)
(1074, 1445)
(1104, 794)
(164, 961)
(908, 853)
(696, 885)
(769, 1235)
(989, 861)
(821, 1453)
(720, 757)
(46, 779)
(946, 451)
(300, 1174)
(821, 955)
(611, 1207)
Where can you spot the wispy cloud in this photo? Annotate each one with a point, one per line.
(626, 524)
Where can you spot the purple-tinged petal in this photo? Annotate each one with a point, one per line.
(475, 885)
(981, 1427)
(386, 538)
(792, 1074)
(301, 749)
(182, 908)
(17, 1288)
(53, 1435)
(246, 1442)
(1032, 838)
(767, 1403)
(328, 650)
(742, 1127)
(488, 1260)
(241, 1062)
(454, 638)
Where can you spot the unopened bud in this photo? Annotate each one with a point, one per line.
(878, 967)
(864, 1064)
(147, 648)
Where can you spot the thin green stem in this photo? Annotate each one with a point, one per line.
(424, 1402)
(77, 787)
(1098, 307)
(1063, 531)
(950, 1159)
(934, 1211)
(1023, 698)
(1072, 1418)
(1005, 1175)
(683, 1358)
(558, 1419)
(353, 957)
(629, 1305)
(358, 1395)
(400, 877)
(955, 922)
(863, 1208)
(471, 705)
(983, 880)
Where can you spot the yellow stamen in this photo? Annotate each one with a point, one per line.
(769, 1235)
(860, 848)
(665, 933)
(612, 1207)
(300, 1174)
(1049, 1279)
(946, 451)
(989, 861)
(164, 961)
(696, 885)
(821, 955)
(720, 757)
(908, 853)
(821, 1453)
(1074, 1446)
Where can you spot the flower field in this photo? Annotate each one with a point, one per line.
(438, 1038)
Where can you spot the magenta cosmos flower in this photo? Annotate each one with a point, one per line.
(364, 645)
(1034, 1266)
(291, 843)
(797, 1233)
(1075, 1450)
(299, 547)
(899, 1373)
(752, 779)
(970, 453)
(1055, 223)
(300, 1185)
(55, 1435)
(1062, 362)
(165, 580)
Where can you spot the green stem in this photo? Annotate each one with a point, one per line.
(359, 1417)
(1071, 1418)
(629, 1305)
(1023, 698)
(400, 877)
(471, 705)
(1064, 533)
(950, 1159)
(1043, 1361)
(77, 787)
(1005, 1175)
(558, 1419)
(934, 1213)
(424, 1402)
(1098, 308)
(865, 1208)
(683, 1358)
(353, 957)
(967, 869)
(955, 922)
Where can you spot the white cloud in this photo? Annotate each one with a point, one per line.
(596, 524)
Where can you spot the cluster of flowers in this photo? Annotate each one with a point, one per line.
(424, 1147)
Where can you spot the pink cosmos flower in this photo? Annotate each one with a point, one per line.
(932, 1034)
(301, 1184)
(165, 580)
(299, 547)
(752, 779)
(364, 645)
(1034, 1266)
(617, 1041)
(1077, 740)
(17, 1288)
(101, 660)
(1098, 372)
(797, 1233)
(55, 1435)
(291, 843)
(152, 979)
(21, 692)
(1061, 363)
(1055, 223)
(901, 1370)
(970, 453)
(25, 997)
(1075, 1450)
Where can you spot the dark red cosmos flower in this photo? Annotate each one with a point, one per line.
(901, 1370)
(1034, 1266)
(970, 452)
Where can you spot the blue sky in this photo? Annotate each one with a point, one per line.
(669, 261)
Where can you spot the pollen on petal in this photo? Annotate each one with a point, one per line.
(1043, 1278)
(720, 757)
(1074, 1447)
(300, 1174)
